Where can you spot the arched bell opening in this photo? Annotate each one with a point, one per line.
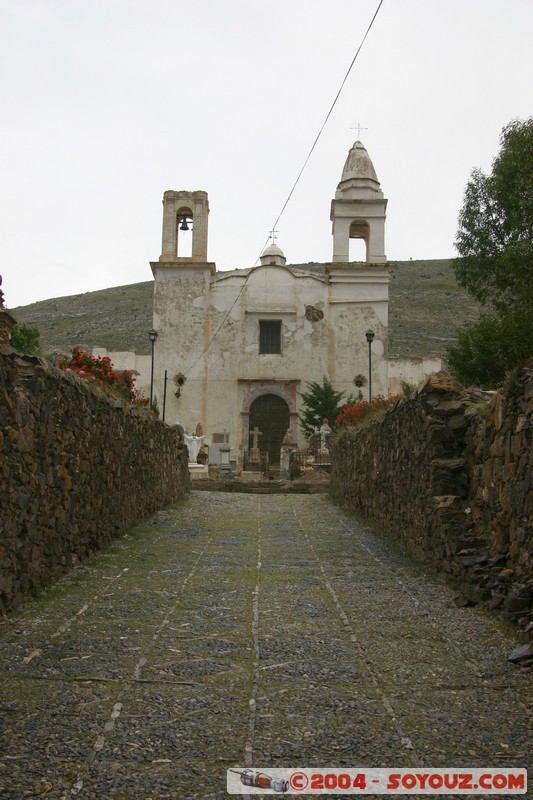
(358, 240)
(184, 231)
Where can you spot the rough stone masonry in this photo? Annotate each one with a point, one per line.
(76, 471)
(450, 473)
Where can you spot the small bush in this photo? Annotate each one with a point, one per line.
(25, 339)
(364, 413)
(100, 371)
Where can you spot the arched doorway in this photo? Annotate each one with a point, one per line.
(269, 413)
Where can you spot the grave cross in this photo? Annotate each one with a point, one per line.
(358, 128)
(256, 433)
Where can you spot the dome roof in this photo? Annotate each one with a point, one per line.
(272, 250)
(272, 254)
(358, 164)
(358, 175)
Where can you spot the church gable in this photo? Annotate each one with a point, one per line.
(271, 288)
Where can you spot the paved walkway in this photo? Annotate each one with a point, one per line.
(243, 630)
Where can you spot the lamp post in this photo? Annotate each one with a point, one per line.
(152, 336)
(165, 395)
(370, 338)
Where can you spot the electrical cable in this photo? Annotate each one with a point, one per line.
(319, 134)
(295, 184)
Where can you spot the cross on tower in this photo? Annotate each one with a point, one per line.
(272, 234)
(358, 128)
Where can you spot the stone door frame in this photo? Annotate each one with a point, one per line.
(286, 390)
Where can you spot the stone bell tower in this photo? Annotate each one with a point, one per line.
(182, 285)
(181, 212)
(358, 210)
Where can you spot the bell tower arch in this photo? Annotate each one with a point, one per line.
(358, 210)
(183, 212)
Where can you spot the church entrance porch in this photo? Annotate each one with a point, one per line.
(269, 407)
(269, 419)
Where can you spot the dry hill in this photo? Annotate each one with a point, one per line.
(427, 308)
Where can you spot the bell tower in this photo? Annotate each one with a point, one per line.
(358, 210)
(184, 212)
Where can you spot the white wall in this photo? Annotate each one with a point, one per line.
(410, 370)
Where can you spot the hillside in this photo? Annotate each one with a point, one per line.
(117, 319)
(426, 309)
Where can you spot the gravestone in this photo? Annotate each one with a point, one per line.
(253, 473)
(325, 438)
(225, 465)
(288, 446)
(254, 455)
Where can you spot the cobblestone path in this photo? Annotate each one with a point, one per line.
(264, 630)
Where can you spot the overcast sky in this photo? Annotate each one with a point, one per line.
(105, 104)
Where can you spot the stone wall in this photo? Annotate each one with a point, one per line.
(450, 473)
(76, 471)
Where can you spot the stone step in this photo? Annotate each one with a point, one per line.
(262, 487)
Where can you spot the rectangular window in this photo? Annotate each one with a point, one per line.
(269, 336)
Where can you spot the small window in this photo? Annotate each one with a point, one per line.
(269, 336)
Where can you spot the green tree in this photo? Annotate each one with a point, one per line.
(495, 244)
(25, 339)
(491, 348)
(319, 402)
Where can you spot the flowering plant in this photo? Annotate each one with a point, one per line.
(100, 371)
(364, 412)
(303, 467)
(308, 467)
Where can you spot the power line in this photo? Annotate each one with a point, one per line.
(295, 184)
(319, 134)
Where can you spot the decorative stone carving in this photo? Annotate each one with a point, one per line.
(313, 314)
(179, 381)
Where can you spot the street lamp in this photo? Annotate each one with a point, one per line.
(152, 336)
(370, 338)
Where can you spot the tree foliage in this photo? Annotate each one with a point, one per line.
(495, 235)
(495, 244)
(25, 339)
(490, 348)
(319, 402)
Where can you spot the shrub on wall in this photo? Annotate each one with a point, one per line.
(363, 413)
(100, 370)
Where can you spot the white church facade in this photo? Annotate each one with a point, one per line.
(239, 347)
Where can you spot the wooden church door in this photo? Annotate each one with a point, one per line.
(271, 415)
